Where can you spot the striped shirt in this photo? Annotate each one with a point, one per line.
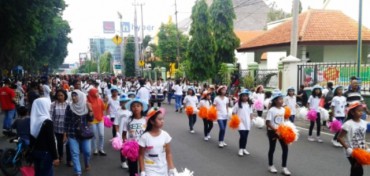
(57, 112)
(353, 96)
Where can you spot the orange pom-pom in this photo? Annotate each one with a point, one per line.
(286, 133)
(189, 110)
(234, 122)
(361, 156)
(203, 112)
(212, 113)
(288, 112)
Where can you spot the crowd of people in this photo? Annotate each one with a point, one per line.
(70, 111)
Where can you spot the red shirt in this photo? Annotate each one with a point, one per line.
(6, 98)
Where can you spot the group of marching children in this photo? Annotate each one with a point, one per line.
(153, 155)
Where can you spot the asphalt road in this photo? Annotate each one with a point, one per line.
(206, 159)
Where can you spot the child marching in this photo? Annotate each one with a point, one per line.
(155, 156)
(338, 105)
(190, 103)
(352, 137)
(244, 110)
(204, 104)
(222, 103)
(313, 104)
(258, 99)
(275, 117)
(134, 127)
(291, 101)
(122, 116)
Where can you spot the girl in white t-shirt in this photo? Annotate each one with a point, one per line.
(313, 103)
(113, 107)
(206, 102)
(244, 111)
(353, 135)
(134, 127)
(291, 101)
(192, 101)
(275, 116)
(259, 95)
(338, 106)
(155, 155)
(222, 103)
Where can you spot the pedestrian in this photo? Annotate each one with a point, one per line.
(7, 102)
(222, 103)
(302, 96)
(134, 127)
(328, 95)
(313, 104)
(352, 136)
(22, 125)
(43, 141)
(143, 92)
(244, 111)
(259, 96)
(57, 111)
(291, 101)
(275, 116)
(122, 116)
(113, 107)
(206, 102)
(191, 101)
(170, 91)
(78, 112)
(98, 109)
(178, 96)
(338, 105)
(155, 152)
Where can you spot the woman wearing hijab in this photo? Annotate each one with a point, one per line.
(78, 111)
(97, 106)
(45, 152)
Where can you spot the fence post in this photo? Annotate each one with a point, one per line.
(163, 74)
(290, 71)
(280, 74)
(252, 68)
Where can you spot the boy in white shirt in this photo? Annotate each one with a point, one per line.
(122, 115)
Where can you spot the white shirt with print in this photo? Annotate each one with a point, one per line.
(134, 128)
(356, 133)
(244, 115)
(339, 103)
(155, 153)
(275, 116)
(314, 103)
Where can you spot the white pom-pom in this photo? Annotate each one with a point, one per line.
(259, 122)
(302, 113)
(324, 114)
(186, 172)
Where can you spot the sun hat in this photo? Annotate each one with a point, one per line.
(124, 98)
(245, 91)
(276, 94)
(137, 100)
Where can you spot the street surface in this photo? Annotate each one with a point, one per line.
(206, 159)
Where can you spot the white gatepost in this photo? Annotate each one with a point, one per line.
(290, 72)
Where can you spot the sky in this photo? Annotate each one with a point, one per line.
(86, 16)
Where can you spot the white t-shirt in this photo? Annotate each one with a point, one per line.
(155, 161)
(258, 96)
(339, 103)
(221, 106)
(291, 102)
(178, 89)
(122, 116)
(205, 103)
(144, 94)
(244, 114)
(113, 107)
(275, 116)
(134, 128)
(314, 103)
(356, 133)
(191, 101)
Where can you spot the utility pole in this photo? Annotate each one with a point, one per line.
(359, 39)
(294, 33)
(142, 35)
(121, 45)
(178, 36)
(136, 42)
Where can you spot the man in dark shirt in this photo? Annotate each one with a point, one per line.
(22, 125)
(33, 94)
(302, 97)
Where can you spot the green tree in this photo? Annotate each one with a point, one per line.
(130, 56)
(202, 45)
(88, 66)
(222, 16)
(105, 62)
(167, 43)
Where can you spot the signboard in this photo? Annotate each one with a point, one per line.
(127, 27)
(117, 40)
(108, 27)
(141, 63)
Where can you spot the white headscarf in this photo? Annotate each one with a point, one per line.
(39, 113)
(79, 108)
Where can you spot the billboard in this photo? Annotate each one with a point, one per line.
(108, 27)
(127, 27)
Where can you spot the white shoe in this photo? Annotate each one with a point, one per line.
(209, 136)
(240, 153)
(336, 143)
(224, 143)
(206, 138)
(286, 171)
(310, 138)
(319, 139)
(192, 131)
(124, 165)
(221, 144)
(272, 169)
(245, 151)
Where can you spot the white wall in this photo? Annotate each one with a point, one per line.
(340, 53)
(244, 59)
(273, 59)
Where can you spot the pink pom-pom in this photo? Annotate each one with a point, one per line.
(117, 143)
(312, 115)
(335, 126)
(107, 122)
(130, 150)
(258, 105)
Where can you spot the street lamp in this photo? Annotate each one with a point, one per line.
(121, 45)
